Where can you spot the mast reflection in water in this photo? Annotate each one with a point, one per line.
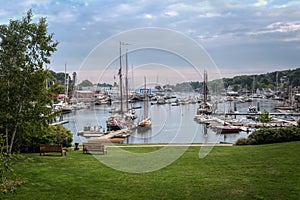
(170, 124)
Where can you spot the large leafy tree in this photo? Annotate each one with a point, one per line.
(25, 50)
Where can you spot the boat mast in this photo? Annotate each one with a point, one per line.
(120, 77)
(205, 87)
(66, 83)
(145, 100)
(126, 82)
(276, 93)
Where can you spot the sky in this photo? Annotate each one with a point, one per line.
(167, 41)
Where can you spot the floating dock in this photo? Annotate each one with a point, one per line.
(257, 114)
(113, 136)
(60, 122)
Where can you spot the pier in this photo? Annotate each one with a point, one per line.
(113, 136)
(60, 122)
(257, 114)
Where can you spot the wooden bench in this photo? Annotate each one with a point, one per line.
(94, 146)
(45, 148)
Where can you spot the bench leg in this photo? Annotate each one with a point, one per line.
(64, 152)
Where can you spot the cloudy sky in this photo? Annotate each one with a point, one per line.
(240, 36)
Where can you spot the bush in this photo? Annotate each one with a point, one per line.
(9, 181)
(271, 135)
(57, 135)
(242, 141)
(48, 134)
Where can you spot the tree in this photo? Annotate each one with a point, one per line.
(265, 117)
(55, 89)
(25, 49)
(85, 83)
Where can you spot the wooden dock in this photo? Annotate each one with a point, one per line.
(257, 114)
(113, 136)
(89, 135)
(293, 123)
(60, 122)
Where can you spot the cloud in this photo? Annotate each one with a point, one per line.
(205, 15)
(232, 25)
(126, 8)
(286, 4)
(30, 3)
(63, 17)
(261, 3)
(171, 13)
(148, 16)
(279, 27)
(187, 7)
(284, 27)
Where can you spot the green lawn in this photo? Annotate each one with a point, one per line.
(238, 172)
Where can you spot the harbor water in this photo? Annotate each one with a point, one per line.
(170, 124)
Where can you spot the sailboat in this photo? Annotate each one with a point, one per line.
(204, 107)
(122, 119)
(63, 105)
(146, 122)
(252, 109)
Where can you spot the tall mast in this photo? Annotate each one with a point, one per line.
(276, 93)
(126, 82)
(205, 86)
(145, 100)
(66, 82)
(120, 76)
(132, 81)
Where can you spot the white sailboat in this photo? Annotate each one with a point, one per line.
(252, 109)
(146, 122)
(122, 119)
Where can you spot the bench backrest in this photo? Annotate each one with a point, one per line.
(93, 146)
(50, 147)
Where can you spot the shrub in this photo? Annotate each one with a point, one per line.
(9, 181)
(271, 135)
(33, 137)
(264, 117)
(57, 135)
(242, 141)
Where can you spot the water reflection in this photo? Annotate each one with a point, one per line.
(170, 124)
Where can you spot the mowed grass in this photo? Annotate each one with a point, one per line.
(238, 172)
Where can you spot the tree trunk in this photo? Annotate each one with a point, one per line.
(12, 139)
(14, 133)
(6, 140)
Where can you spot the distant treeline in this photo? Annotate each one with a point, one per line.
(273, 80)
(250, 82)
(269, 80)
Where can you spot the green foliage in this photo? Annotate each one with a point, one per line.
(183, 87)
(9, 180)
(267, 80)
(264, 117)
(271, 135)
(61, 79)
(25, 49)
(242, 141)
(57, 135)
(56, 88)
(104, 85)
(32, 137)
(85, 83)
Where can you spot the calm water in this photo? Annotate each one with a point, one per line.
(170, 124)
